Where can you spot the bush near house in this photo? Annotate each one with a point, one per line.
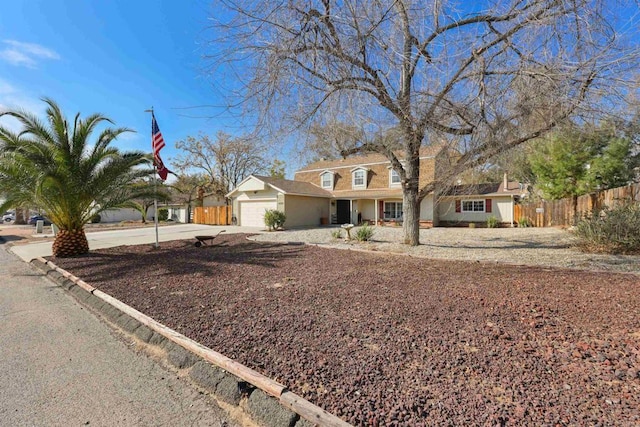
(163, 214)
(274, 219)
(364, 233)
(492, 222)
(611, 230)
(524, 222)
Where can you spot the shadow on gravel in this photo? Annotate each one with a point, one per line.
(179, 258)
(513, 244)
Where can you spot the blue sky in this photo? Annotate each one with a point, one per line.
(118, 58)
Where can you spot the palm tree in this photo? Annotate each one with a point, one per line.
(54, 167)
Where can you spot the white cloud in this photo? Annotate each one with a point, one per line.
(25, 54)
(11, 98)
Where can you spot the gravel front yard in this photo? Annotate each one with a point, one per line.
(550, 247)
(379, 339)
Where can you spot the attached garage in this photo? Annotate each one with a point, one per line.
(303, 203)
(252, 212)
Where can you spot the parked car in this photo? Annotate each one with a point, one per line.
(35, 218)
(8, 217)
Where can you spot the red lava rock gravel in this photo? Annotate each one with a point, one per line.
(393, 340)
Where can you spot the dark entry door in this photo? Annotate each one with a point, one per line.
(343, 211)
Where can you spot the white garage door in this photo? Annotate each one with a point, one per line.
(252, 213)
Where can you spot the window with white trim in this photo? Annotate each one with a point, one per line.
(326, 180)
(393, 210)
(473, 206)
(394, 178)
(359, 176)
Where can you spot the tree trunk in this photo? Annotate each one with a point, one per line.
(21, 216)
(574, 209)
(69, 243)
(411, 217)
(410, 203)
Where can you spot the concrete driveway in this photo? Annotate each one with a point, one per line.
(135, 236)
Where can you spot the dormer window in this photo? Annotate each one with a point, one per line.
(326, 180)
(359, 178)
(394, 178)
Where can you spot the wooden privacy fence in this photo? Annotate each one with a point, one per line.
(212, 215)
(560, 213)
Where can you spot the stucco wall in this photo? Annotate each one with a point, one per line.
(426, 208)
(501, 208)
(265, 195)
(305, 211)
(124, 214)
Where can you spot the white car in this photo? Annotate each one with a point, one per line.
(8, 217)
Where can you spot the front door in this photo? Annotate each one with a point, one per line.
(343, 211)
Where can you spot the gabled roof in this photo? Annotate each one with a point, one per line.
(287, 186)
(487, 189)
(367, 159)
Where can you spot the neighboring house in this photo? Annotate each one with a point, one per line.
(124, 214)
(177, 211)
(359, 189)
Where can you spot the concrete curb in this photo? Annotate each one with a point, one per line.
(266, 401)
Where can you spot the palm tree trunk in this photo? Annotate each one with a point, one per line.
(69, 243)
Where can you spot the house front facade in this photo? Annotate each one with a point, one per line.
(361, 189)
(367, 188)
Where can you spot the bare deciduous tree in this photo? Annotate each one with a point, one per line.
(484, 76)
(225, 161)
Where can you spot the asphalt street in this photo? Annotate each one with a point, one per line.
(61, 366)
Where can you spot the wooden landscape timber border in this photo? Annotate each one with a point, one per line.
(282, 408)
(552, 213)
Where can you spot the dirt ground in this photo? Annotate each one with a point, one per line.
(383, 339)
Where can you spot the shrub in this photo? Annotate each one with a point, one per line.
(492, 222)
(96, 219)
(524, 222)
(274, 219)
(163, 214)
(614, 231)
(364, 233)
(336, 234)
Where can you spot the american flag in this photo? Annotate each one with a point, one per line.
(157, 143)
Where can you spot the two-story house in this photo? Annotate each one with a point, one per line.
(361, 188)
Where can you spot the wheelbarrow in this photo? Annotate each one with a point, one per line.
(202, 240)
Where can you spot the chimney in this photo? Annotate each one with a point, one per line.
(505, 183)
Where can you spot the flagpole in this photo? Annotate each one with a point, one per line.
(155, 184)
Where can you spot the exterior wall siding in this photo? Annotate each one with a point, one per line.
(426, 208)
(258, 195)
(124, 214)
(501, 208)
(304, 211)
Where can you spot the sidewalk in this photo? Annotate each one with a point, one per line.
(62, 366)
